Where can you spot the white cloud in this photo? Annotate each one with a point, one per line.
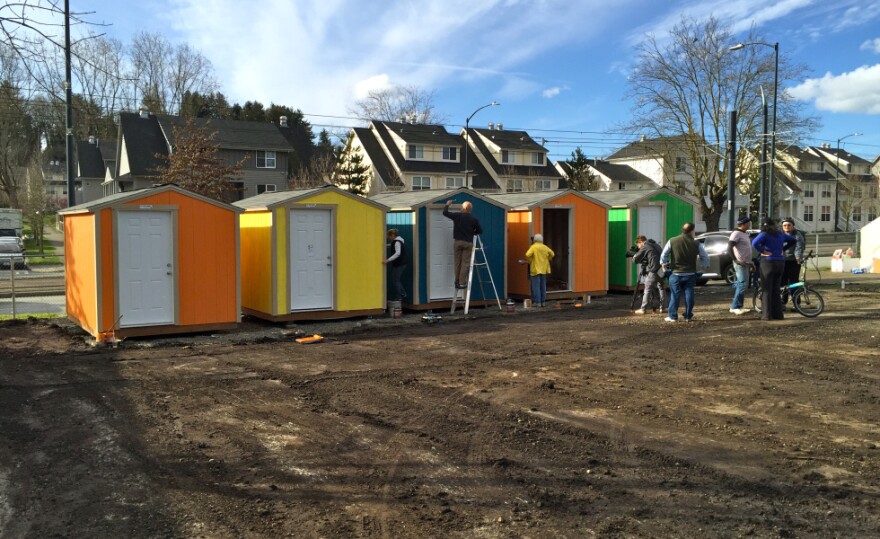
(857, 91)
(872, 45)
(550, 93)
(362, 88)
(321, 55)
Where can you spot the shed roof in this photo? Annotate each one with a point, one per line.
(528, 200)
(117, 198)
(410, 200)
(268, 201)
(617, 199)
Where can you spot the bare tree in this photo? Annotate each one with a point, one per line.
(19, 140)
(683, 89)
(316, 173)
(399, 103)
(195, 163)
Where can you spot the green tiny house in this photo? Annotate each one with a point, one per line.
(656, 213)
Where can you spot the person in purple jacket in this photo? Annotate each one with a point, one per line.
(769, 244)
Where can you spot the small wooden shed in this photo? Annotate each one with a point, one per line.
(574, 225)
(151, 262)
(655, 213)
(312, 254)
(429, 277)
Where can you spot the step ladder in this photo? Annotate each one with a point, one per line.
(479, 265)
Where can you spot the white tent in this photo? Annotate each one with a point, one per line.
(869, 246)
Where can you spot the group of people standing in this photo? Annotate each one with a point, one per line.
(776, 255)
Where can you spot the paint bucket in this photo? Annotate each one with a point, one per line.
(510, 306)
(396, 313)
(527, 304)
(395, 309)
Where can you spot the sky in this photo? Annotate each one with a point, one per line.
(558, 68)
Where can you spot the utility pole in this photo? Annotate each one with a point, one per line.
(731, 173)
(762, 196)
(68, 90)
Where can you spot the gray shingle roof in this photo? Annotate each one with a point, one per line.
(844, 155)
(380, 161)
(620, 173)
(422, 133)
(409, 200)
(231, 134)
(89, 160)
(143, 140)
(547, 171)
(647, 147)
(527, 200)
(510, 140)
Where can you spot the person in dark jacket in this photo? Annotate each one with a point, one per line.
(648, 256)
(680, 256)
(794, 256)
(397, 259)
(769, 244)
(464, 227)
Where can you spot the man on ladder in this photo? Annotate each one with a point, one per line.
(466, 232)
(464, 227)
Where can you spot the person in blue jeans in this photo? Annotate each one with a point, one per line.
(739, 247)
(679, 256)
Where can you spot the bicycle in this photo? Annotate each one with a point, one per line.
(805, 299)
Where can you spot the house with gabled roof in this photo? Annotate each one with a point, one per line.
(415, 157)
(514, 160)
(611, 177)
(146, 139)
(95, 158)
(857, 190)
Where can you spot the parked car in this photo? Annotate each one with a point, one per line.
(9, 252)
(720, 264)
(9, 234)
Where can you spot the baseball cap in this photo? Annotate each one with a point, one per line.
(744, 220)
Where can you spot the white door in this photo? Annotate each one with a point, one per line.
(311, 260)
(441, 261)
(145, 252)
(651, 223)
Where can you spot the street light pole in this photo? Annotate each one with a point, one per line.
(837, 183)
(467, 140)
(775, 47)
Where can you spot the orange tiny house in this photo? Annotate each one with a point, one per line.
(574, 226)
(152, 262)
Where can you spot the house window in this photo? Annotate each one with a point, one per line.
(826, 191)
(820, 166)
(543, 185)
(679, 164)
(808, 213)
(450, 154)
(849, 167)
(621, 186)
(857, 191)
(421, 183)
(265, 159)
(265, 188)
(872, 214)
(809, 190)
(508, 156)
(825, 214)
(873, 191)
(415, 152)
(857, 213)
(537, 158)
(514, 186)
(454, 183)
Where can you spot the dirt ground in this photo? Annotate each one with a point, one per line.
(554, 423)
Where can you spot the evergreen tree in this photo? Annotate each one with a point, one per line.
(581, 178)
(351, 173)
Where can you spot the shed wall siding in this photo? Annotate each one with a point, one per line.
(81, 270)
(256, 261)
(108, 272)
(403, 222)
(282, 298)
(619, 240)
(518, 231)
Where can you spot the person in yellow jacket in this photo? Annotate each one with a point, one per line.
(539, 257)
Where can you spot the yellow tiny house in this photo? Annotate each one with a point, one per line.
(312, 254)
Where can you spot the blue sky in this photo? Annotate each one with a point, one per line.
(558, 67)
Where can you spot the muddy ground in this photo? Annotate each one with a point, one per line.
(558, 423)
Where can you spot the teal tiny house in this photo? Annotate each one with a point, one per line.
(427, 234)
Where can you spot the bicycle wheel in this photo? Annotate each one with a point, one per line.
(808, 302)
(757, 303)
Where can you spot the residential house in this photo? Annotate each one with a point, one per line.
(514, 161)
(94, 160)
(414, 157)
(611, 177)
(804, 189)
(856, 203)
(145, 140)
